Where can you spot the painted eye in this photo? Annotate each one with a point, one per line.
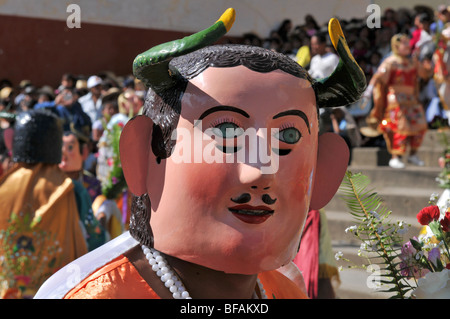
(227, 130)
(289, 135)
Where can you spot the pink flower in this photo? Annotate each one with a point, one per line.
(428, 214)
(409, 266)
(408, 251)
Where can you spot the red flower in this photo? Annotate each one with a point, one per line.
(428, 214)
(445, 223)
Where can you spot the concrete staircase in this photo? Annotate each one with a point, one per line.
(404, 191)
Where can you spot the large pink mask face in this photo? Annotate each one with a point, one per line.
(219, 207)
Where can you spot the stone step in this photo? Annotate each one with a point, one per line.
(354, 285)
(432, 148)
(357, 283)
(435, 138)
(410, 176)
(376, 156)
(402, 201)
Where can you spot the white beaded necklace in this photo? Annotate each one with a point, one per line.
(170, 279)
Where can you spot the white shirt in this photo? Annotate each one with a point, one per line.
(322, 66)
(94, 110)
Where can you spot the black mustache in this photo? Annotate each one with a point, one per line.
(242, 199)
(246, 197)
(268, 200)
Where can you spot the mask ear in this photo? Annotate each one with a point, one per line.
(135, 152)
(332, 160)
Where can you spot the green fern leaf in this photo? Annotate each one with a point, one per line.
(368, 209)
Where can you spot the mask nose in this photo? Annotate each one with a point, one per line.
(255, 177)
(260, 164)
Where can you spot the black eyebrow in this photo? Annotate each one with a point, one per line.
(297, 113)
(223, 108)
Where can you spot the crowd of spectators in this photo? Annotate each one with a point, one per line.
(78, 99)
(310, 46)
(369, 45)
(84, 104)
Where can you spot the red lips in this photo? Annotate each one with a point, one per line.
(251, 214)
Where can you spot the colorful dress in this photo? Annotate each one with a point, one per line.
(39, 227)
(402, 117)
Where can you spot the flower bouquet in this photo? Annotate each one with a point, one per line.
(417, 268)
(427, 257)
(113, 180)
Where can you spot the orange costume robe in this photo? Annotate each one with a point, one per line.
(39, 227)
(106, 273)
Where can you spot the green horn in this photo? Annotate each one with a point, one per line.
(152, 67)
(347, 83)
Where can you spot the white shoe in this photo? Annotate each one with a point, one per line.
(415, 160)
(396, 163)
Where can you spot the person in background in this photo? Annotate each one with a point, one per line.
(45, 94)
(87, 187)
(67, 82)
(343, 123)
(40, 228)
(110, 106)
(443, 16)
(400, 116)
(284, 30)
(22, 86)
(106, 206)
(112, 207)
(81, 87)
(6, 140)
(311, 25)
(29, 99)
(7, 99)
(421, 34)
(71, 112)
(323, 62)
(131, 102)
(91, 103)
